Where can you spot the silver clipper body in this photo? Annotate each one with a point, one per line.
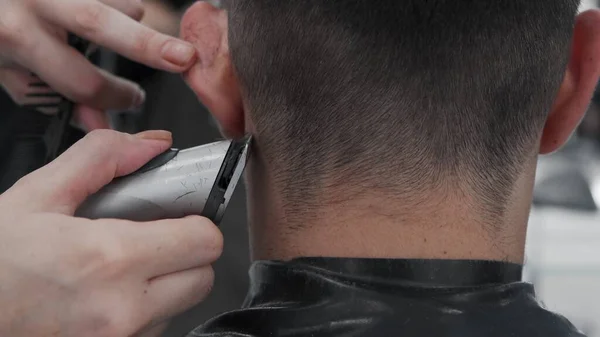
(177, 183)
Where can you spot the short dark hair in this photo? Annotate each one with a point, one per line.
(403, 96)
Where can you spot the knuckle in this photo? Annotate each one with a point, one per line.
(114, 256)
(213, 239)
(107, 260)
(102, 143)
(217, 245)
(141, 44)
(111, 263)
(99, 135)
(90, 17)
(98, 141)
(101, 138)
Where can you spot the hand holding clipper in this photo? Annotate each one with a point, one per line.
(175, 184)
(108, 277)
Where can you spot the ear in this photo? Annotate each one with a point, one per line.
(212, 78)
(578, 84)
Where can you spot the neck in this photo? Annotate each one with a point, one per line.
(377, 227)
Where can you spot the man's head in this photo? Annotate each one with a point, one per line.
(410, 99)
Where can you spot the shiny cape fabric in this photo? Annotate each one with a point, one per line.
(322, 297)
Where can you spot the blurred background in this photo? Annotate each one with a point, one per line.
(563, 248)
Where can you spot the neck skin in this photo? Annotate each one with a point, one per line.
(376, 227)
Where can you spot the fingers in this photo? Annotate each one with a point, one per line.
(112, 29)
(71, 74)
(17, 83)
(86, 167)
(168, 261)
(176, 253)
(171, 245)
(176, 293)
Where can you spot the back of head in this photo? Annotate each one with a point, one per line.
(404, 97)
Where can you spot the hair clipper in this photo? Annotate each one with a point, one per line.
(177, 183)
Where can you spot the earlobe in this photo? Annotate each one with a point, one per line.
(578, 84)
(213, 78)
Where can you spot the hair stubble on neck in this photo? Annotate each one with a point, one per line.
(436, 117)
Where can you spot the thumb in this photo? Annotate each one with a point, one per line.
(88, 165)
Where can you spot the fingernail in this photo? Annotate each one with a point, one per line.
(155, 135)
(178, 53)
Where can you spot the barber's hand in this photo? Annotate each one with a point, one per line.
(33, 39)
(70, 277)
